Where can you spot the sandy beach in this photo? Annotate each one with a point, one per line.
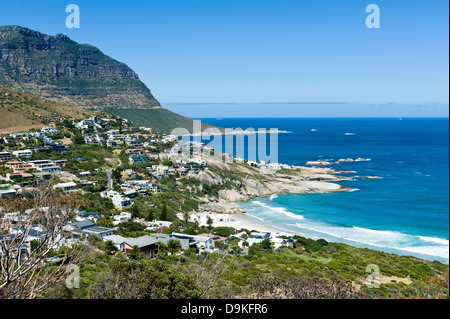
(237, 221)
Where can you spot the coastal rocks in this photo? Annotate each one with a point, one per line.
(319, 163)
(328, 178)
(359, 159)
(209, 178)
(231, 195)
(372, 177)
(320, 186)
(345, 160)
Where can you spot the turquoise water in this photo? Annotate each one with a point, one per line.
(405, 212)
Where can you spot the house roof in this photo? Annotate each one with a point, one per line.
(13, 163)
(83, 224)
(213, 237)
(142, 241)
(161, 229)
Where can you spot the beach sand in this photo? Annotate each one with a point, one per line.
(237, 221)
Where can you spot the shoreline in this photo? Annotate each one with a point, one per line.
(238, 218)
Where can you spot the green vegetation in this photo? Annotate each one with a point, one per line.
(160, 120)
(330, 270)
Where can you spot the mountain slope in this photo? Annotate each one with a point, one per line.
(160, 120)
(20, 112)
(75, 74)
(79, 75)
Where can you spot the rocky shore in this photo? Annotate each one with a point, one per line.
(256, 182)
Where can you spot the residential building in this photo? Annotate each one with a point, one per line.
(164, 238)
(146, 244)
(7, 190)
(123, 216)
(99, 232)
(17, 166)
(215, 238)
(5, 156)
(67, 187)
(50, 130)
(199, 242)
(23, 153)
(120, 201)
(137, 159)
(259, 235)
(162, 170)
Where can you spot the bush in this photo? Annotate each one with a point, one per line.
(224, 231)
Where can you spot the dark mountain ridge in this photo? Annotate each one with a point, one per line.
(63, 70)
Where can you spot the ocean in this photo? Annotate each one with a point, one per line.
(406, 212)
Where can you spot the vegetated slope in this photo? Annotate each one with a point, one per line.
(21, 111)
(160, 120)
(65, 71)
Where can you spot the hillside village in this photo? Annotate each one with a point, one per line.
(134, 171)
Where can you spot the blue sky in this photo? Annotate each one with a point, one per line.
(251, 51)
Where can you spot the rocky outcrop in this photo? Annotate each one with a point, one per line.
(63, 70)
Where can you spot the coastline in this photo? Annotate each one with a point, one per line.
(299, 181)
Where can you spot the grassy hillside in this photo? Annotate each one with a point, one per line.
(21, 111)
(160, 120)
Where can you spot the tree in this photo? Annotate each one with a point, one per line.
(131, 226)
(28, 274)
(150, 215)
(175, 224)
(190, 231)
(146, 279)
(186, 217)
(106, 222)
(109, 247)
(173, 245)
(209, 222)
(235, 249)
(135, 253)
(163, 215)
(78, 139)
(196, 225)
(224, 231)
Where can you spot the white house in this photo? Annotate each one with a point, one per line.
(67, 187)
(49, 130)
(120, 201)
(23, 153)
(121, 218)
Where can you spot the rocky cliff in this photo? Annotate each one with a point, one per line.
(57, 68)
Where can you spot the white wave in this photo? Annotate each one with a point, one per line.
(383, 239)
(354, 190)
(386, 240)
(436, 240)
(349, 133)
(280, 210)
(273, 196)
(439, 251)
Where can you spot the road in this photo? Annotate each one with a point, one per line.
(109, 184)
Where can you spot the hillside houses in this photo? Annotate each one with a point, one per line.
(137, 159)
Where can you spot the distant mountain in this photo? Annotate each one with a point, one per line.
(79, 75)
(63, 70)
(160, 120)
